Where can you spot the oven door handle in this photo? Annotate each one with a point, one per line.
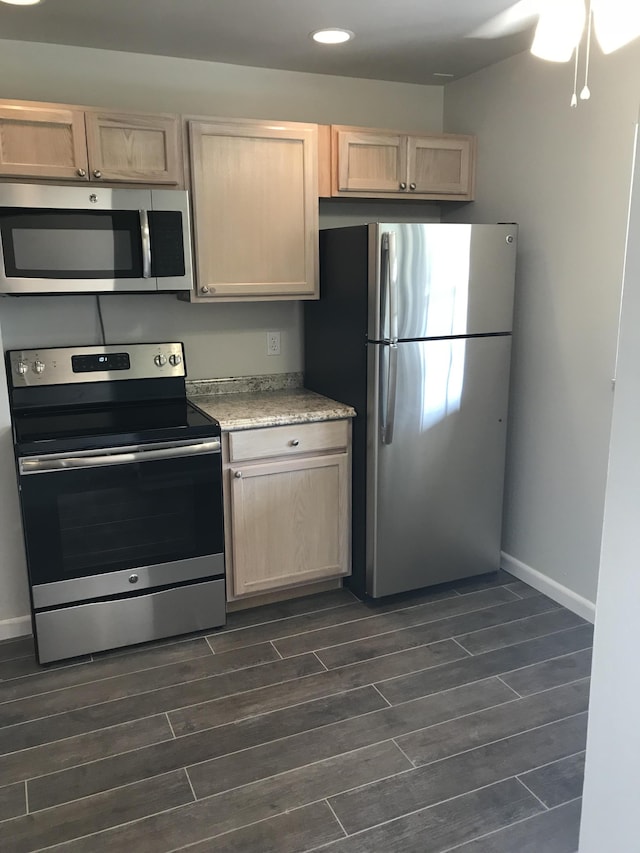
(43, 464)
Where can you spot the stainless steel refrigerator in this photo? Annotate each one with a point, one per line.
(413, 329)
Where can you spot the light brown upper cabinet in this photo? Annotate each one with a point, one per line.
(53, 141)
(369, 163)
(42, 141)
(255, 209)
(124, 147)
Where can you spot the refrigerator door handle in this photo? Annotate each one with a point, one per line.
(393, 288)
(389, 393)
(389, 290)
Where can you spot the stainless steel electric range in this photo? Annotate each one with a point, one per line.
(121, 495)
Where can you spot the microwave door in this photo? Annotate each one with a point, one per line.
(75, 251)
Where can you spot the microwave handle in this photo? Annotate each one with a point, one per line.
(145, 238)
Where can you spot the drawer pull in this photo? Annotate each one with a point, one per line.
(238, 475)
(294, 442)
(133, 578)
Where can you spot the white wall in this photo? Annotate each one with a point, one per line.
(563, 174)
(220, 340)
(609, 817)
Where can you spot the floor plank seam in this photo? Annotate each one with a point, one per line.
(26, 797)
(326, 800)
(509, 826)
(273, 646)
(513, 690)
(213, 651)
(395, 742)
(384, 698)
(321, 662)
(170, 726)
(467, 653)
(186, 773)
(533, 794)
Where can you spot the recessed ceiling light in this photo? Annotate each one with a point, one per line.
(22, 2)
(334, 35)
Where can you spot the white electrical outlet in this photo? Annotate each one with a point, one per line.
(273, 343)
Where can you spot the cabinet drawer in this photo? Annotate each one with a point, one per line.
(288, 440)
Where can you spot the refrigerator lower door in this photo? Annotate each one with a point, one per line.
(435, 478)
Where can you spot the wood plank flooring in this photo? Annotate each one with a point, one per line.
(450, 720)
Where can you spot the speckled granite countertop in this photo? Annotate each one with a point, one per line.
(270, 408)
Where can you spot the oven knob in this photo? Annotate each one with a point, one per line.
(21, 368)
(38, 367)
(175, 360)
(160, 360)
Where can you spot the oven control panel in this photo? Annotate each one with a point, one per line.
(65, 365)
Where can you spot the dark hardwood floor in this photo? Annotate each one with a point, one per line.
(452, 720)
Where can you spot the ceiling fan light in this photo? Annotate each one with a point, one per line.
(616, 22)
(559, 29)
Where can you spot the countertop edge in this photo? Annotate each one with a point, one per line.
(300, 408)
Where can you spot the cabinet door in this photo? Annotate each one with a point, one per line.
(255, 199)
(441, 165)
(41, 141)
(370, 161)
(290, 522)
(136, 148)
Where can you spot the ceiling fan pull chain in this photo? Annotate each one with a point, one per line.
(585, 94)
(574, 97)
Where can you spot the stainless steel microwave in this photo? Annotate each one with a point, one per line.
(93, 240)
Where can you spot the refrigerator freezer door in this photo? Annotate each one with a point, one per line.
(434, 495)
(443, 280)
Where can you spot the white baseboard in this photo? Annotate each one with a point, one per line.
(557, 591)
(18, 627)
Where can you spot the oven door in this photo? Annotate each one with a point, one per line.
(119, 520)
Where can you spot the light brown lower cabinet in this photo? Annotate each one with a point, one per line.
(288, 516)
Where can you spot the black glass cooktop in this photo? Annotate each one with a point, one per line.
(58, 430)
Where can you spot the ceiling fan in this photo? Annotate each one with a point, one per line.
(560, 27)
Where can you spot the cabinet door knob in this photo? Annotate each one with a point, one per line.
(82, 173)
(294, 442)
(97, 173)
(412, 186)
(238, 475)
(204, 289)
(403, 185)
